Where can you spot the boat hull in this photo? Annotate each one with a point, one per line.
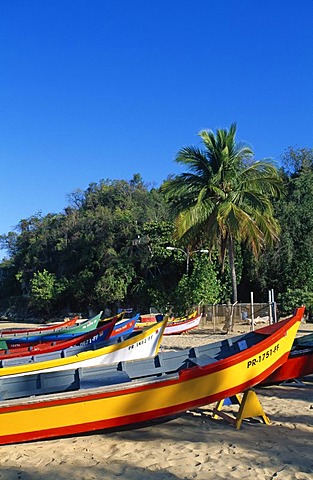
(6, 332)
(176, 328)
(298, 365)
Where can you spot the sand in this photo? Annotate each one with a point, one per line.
(192, 446)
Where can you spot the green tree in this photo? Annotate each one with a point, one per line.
(43, 290)
(225, 198)
(200, 288)
(292, 298)
(288, 265)
(156, 274)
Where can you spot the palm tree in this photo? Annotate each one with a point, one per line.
(225, 197)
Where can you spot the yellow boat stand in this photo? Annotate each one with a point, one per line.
(249, 407)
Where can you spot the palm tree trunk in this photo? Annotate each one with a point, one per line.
(231, 255)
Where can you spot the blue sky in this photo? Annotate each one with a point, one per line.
(103, 89)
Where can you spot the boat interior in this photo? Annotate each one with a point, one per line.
(165, 365)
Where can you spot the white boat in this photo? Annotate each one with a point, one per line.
(178, 327)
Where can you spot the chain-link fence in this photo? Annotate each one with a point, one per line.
(228, 315)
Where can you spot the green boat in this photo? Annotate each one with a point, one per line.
(31, 338)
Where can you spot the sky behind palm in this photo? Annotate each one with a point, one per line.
(104, 89)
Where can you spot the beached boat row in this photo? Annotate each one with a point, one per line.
(17, 337)
(87, 343)
(128, 380)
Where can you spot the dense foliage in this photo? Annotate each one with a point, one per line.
(288, 267)
(108, 249)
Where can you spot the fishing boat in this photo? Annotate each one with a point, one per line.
(141, 344)
(40, 328)
(124, 326)
(178, 327)
(151, 318)
(175, 326)
(298, 365)
(118, 316)
(128, 393)
(31, 338)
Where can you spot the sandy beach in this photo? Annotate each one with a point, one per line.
(192, 446)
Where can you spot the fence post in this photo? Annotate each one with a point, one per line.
(274, 307)
(252, 312)
(270, 307)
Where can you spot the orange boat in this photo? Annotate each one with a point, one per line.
(5, 332)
